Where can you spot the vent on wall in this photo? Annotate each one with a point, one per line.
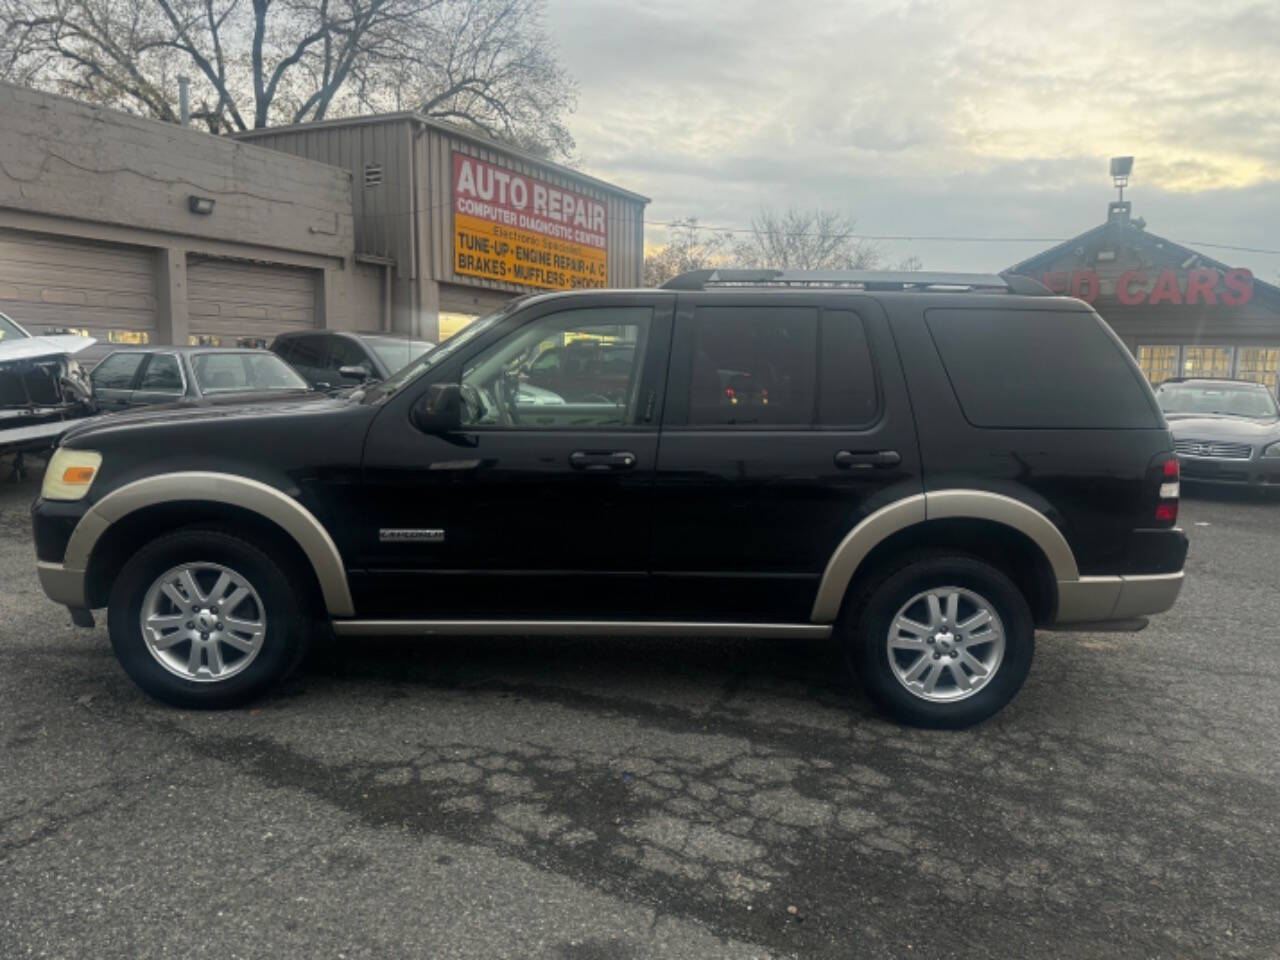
(372, 175)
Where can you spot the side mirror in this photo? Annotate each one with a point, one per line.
(356, 371)
(440, 411)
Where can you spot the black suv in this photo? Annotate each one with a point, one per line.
(925, 467)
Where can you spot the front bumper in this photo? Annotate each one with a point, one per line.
(63, 585)
(1114, 599)
(1256, 472)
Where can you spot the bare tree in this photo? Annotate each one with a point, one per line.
(805, 240)
(688, 247)
(484, 63)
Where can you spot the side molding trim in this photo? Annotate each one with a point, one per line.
(252, 495)
(581, 628)
(937, 505)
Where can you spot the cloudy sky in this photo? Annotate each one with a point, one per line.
(983, 118)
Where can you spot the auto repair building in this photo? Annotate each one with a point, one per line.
(450, 225)
(133, 230)
(1181, 313)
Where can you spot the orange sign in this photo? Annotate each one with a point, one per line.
(518, 229)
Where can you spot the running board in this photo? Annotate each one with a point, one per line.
(566, 628)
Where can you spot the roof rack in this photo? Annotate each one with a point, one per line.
(909, 280)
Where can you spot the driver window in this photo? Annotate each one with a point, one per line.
(576, 368)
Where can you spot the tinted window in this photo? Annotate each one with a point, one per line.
(308, 352)
(162, 374)
(1039, 368)
(395, 352)
(753, 365)
(346, 353)
(226, 372)
(116, 372)
(846, 375)
(283, 349)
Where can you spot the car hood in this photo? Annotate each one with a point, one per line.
(29, 348)
(1222, 428)
(250, 407)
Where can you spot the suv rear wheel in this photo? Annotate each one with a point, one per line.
(942, 640)
(203, 618)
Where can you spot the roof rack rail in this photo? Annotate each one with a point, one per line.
(909, 280)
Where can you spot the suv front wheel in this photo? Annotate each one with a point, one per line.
(203, 618)
(942, 640)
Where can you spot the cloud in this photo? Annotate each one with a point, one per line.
(925, 116)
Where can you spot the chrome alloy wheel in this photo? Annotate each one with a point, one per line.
(203, 621)
(946, 644)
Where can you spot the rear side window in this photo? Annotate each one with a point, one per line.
(117, 371)
(1038, 369)
(162, 374)
(753, 365)
(846, 377)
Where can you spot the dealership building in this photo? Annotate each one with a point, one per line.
(1181, 313)
(133, 230)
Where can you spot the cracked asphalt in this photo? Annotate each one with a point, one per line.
(590, 799)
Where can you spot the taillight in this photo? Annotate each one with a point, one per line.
(1170, 489)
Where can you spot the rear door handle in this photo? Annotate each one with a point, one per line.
(598, 461)
(866, 459)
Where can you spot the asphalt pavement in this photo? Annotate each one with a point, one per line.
(613, 800)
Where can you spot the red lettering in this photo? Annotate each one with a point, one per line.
(1240, 282)
(1084, 285)
(1057, 281)
(1166, 288)
(1129, 297)
(1200, 283)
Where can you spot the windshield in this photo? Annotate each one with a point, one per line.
(431, 358)
(1224, 399)
(244, 372)
(396, 353)
(10, 330)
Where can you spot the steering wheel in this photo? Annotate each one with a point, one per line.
(505, 405)
(473, 401)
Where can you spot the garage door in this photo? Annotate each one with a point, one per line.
(236, 302)
(48, 282)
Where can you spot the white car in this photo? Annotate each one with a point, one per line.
(42, 387)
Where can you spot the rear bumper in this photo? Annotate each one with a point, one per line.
(1106, 599)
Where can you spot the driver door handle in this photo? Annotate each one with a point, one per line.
(866, 459)
(599, 461)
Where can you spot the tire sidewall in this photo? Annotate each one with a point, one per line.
(868, 652)
(280, 645)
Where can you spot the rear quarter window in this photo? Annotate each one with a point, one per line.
(1040, 369)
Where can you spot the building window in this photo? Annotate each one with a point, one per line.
(1206, 362)
(1260, 364)
(372, 175)
(1158, 363)
(451, 323)
(204, 340)
(128, 336)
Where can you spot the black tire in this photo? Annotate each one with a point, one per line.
(279, 587)
(870, 612)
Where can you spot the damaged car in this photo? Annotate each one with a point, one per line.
(42, 387)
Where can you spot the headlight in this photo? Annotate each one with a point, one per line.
(1273, 450)
(70, 474)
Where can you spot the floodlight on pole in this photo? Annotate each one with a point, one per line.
(1121, 167)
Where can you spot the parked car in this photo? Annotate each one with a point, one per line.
(944, 464)
(42, 387)
(191, 376)
(336, 358)
(1224, 431)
